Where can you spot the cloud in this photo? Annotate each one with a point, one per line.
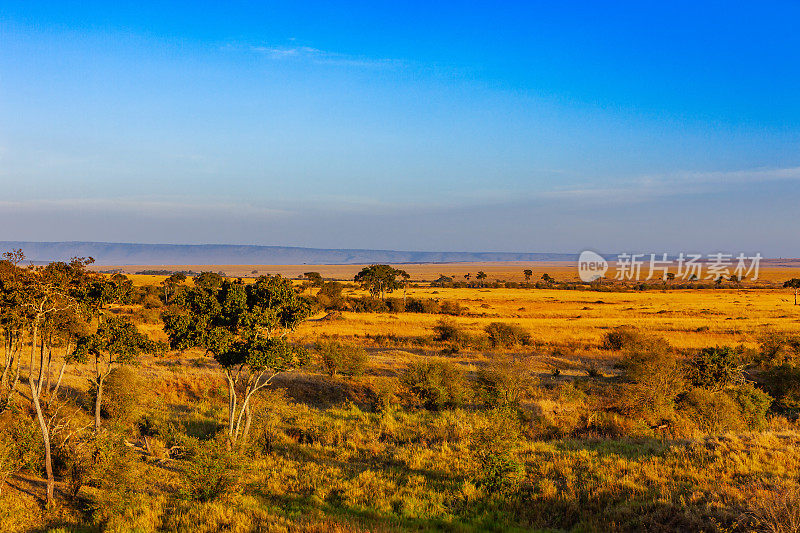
(315, 55)
(651, 187)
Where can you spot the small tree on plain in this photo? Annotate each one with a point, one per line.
(793, 283)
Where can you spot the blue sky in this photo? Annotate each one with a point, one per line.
(502, 126)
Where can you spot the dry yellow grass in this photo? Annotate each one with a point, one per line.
(771, 270)
(687, 318)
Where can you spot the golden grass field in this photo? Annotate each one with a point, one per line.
(355, 468)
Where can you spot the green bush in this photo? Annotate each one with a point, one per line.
(341, 358)
(780, 348)
(753, 404)
(623, 337)
(652, 367)
(504, 382)
(719, 411)
(506, 335)
(124, 392)
(715, 368)
(422, 305)
(436, 384)
(451, 307)
(447, 330)
(783, 383)
(212, 471)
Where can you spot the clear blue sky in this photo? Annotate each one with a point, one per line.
(481, 126)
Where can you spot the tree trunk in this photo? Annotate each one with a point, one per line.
(231, 404)
(98, 402)
(54, 394)
(48, 462)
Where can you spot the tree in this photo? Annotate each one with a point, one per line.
(315, 278)
(547, 278)
(244, 328)
(527, 273)
(116, 342)
(43, 292)
(481, 276)
(379, 279)
(793, 283)
(171, 285)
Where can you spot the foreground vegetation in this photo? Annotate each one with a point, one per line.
(275, 406)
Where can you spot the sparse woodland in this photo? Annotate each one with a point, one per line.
(205, 403)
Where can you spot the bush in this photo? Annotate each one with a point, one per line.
(783, 383)
(652, 367)
(753, 404)
(780, 348)
(622, 337)
(739, 408)
(714, 368)
(506, 335)
(447, 330)
(151, 301)
(504, 382)
(341, 358)
(451, 307)
(436, 384)
(123, 395)
(212, 472)
(330, 297)
(425, 305)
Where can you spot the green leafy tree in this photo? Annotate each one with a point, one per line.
(116, 342)
(793, 283)
(244, 328)
(171, 285)
(314, 278)
(481, 276)
(379, 279)
(527, 273)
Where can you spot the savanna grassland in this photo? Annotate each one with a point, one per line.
(481, 406)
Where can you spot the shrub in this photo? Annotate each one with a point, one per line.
(447, 330)
(714, 368)
(330, 297)
(151, 301)
(423, 305)
(123, 394)
(504, 382)
(506, 335)
(652, 367)
(212, 472)
(753, 404)
(780, 348)
(341, 358)
(712, 412)
(436, 384)
(783, 383)
(451, 307)
(735, 409)
(622, 337)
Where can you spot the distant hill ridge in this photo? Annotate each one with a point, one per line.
(110, 253)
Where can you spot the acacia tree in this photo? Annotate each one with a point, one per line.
(244, 328)
(793, 283)
(379, 279)
(480, 276)
(45, 291)
(527, 273)
(171, 285)
(116, 342)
